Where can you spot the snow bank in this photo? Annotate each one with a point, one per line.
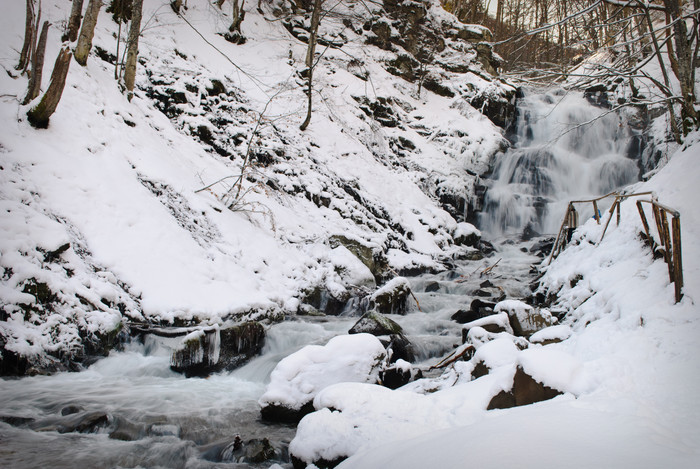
(297, 379)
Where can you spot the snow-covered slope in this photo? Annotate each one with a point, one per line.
(103, 217)
(628, 371)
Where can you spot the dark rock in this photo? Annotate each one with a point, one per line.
(433, 84)
(480, 369)
(464, 316)
(84, 422)
(16, 421)
(258, 451)
(486, 284)
(396, 376)
(542, 247)
(400, 348)
(526, 390)
(205, 352)
(284, 414)
(127, 431)
(392, 298)
(71, 409)
(376, 324)
(432, 287)
(372, 257)
(484, 308)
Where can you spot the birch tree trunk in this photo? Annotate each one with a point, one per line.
(39, 116)
(87, 32)
(34, 87)
(310, 55)
(71, 33)
(133, 47)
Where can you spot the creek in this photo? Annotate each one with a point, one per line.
(131, 410)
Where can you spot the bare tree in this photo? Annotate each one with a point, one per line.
(37, 65)
(39, 115)
(311, 59)
(133, 47)
(30, 27)
(87, 32)
(73, 27)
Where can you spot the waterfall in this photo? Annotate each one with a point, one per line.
(564, 149)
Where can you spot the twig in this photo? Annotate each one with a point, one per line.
(451, 358)
(487, 270)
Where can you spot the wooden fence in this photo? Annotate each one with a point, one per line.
(668, 246)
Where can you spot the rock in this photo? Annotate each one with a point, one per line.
(432, 287)
(392, 298)
(492, 293)
(524, 319)
(127, 431)
(299, 377)
(376, 324)
(399, 374)
(464, 316)
(208, 351)
(400, 348)
(526, 390)
(84, 422)
(258, 451)
(371, 256)
(466, 234)
(494, 323)
(71, 409)
(551, 335)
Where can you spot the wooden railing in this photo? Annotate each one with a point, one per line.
(669, 245)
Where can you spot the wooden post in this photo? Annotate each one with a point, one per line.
(595, 212)
(617, 203)
(667, 244)
(657, 219)
(552, 254)
(677, 257)
(645, 224)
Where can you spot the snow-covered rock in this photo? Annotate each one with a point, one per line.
(299, 377)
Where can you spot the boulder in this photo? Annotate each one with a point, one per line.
(392, 298)
(370, 255)
(494, 323)
(466, 234)
(398, 374)
(432, 287)
(524, 319)
(526, 390)
(551, 335)
(299, 377)
(206, 351)
(376, 324)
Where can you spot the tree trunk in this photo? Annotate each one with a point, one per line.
(39, 115)
(37, 65)
(684, 69)
(71, 33)
(29, 34)
(87, 32)
(310, 55)
(133, 47)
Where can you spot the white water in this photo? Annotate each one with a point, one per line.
(565, 149)
(177, 420)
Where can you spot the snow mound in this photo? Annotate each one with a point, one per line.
(297, 379)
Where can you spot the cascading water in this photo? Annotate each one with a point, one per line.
(564, 149)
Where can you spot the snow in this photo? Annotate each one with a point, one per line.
(299, 377)
(627, 365)
(120, 181)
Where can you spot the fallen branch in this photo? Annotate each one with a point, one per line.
(451, 358)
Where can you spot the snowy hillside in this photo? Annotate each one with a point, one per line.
(105, 220)
(627, 372)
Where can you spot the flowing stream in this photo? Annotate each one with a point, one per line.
(130, 410)
(564, 149)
